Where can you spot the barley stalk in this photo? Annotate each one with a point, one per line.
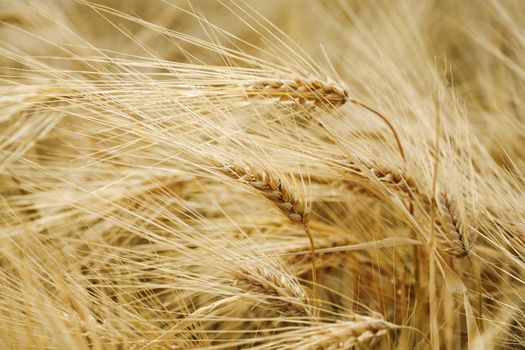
(296, 255)
(299, 262)
(201, 313)
(386, 121)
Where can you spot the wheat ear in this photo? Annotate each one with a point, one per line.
(321, 94)
(282, 197)
(270, 281)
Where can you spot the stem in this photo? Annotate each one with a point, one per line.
(314, 268)
(398, 141)
(434, 327)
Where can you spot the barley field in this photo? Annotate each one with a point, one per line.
(262, 174)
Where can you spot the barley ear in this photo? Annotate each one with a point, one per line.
(322, 94)
(456, 233)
